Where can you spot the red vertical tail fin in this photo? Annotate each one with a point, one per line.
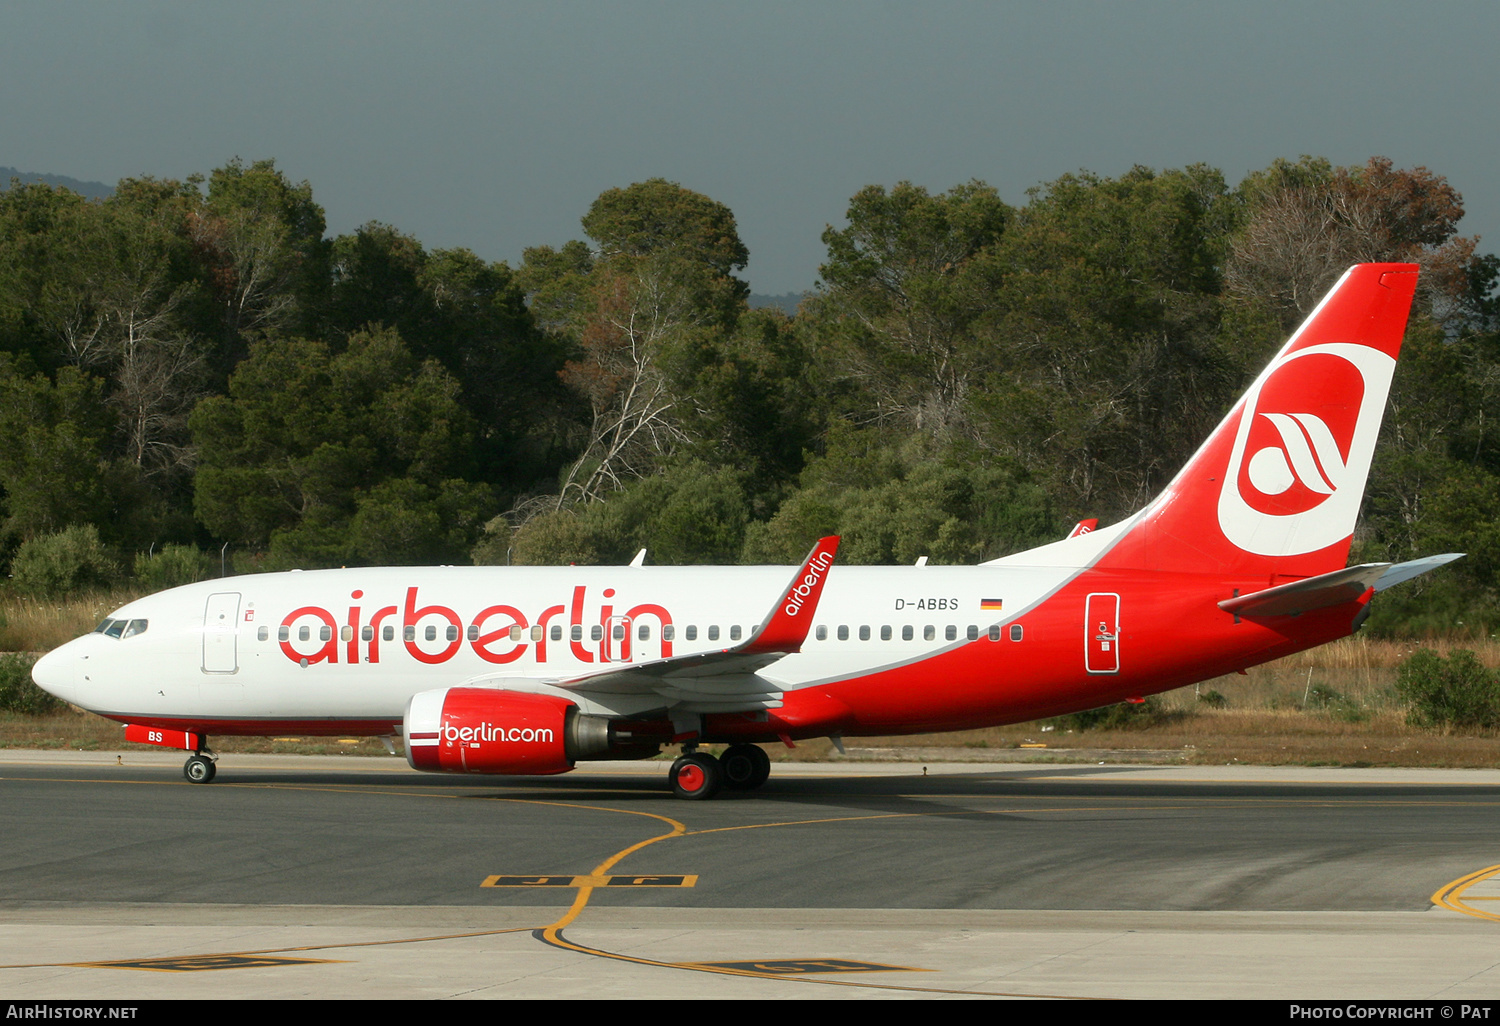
(1278, 485)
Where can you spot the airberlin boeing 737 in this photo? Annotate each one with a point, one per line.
(532, 670)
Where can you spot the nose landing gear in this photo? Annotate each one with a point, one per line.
(200, 767)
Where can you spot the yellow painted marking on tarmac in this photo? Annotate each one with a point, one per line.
(303, 947)
(800, 966)
(205, 963)
(1451, 894)
(640, 880)
(602, 869)
(769, 973)
(553, 934)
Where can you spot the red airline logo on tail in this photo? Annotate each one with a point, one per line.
(1300, 437)
(1288, 497)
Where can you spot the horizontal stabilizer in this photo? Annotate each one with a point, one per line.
(1333, 589)
(1415, 568)
(1319, 592)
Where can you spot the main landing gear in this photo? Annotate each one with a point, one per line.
(698, 776)
(200, 767)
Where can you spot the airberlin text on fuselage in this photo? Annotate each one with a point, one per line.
(497, 634)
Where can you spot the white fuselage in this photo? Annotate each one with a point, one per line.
(357, 644)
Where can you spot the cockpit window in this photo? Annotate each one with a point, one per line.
(112, 628)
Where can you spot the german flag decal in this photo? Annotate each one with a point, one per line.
(990, 603)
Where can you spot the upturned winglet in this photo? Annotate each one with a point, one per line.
(785, 628)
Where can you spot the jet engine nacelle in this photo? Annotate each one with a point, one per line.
(483, 730)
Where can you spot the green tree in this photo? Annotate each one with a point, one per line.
(313, 452)
(658, 218)
(260, 239)
(1305, 223)
(904, 284)
(470, 316)
(660, 289)
(55, 564)
(54, 462)
(895, 499)
(1109, 338)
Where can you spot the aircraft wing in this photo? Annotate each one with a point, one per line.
(726, 680)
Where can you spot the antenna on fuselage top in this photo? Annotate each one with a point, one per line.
(640, 559)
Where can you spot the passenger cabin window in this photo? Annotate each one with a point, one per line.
(929, 632)
(973, 633)
(734, 633)
(864, 632)
(387, 633)
(950, 633)
(822, 633)
(692, 632)
(668, 632)
(885, 632)
(1015, 632)
(843, 632)
(906, 633)
(283, 633)
(995, 632)
(643, 632)
(262, 633)
(596, 632)
(556, 632)
(713, 633)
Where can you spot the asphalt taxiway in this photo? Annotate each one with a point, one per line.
(358, 878)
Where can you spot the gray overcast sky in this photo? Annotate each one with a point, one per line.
(494, 125)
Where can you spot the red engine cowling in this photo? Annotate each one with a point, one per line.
(481, 730)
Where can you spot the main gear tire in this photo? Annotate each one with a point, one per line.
(696, 777)
(745, 767)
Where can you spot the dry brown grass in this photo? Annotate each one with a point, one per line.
(40, 625)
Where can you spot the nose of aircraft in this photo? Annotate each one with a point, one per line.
(57, 672)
